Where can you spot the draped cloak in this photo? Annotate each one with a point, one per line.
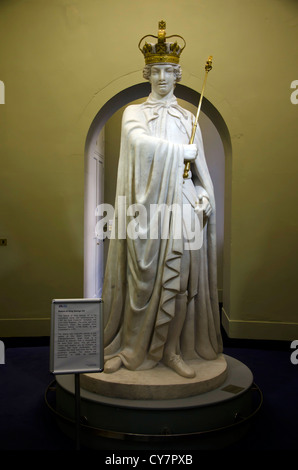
(142, 276)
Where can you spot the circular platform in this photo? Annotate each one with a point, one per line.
(159, 383)
(222, 409)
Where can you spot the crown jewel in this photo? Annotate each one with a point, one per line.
(162, 51)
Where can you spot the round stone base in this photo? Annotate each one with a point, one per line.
(214, 419)
(159, 383)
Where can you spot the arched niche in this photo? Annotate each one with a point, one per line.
(218, 154)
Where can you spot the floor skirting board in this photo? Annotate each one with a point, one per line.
(266, 330)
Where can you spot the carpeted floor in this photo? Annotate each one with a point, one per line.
(26, 422)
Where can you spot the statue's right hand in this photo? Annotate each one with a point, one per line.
(190, 152)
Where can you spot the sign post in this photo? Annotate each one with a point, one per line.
(78, 410)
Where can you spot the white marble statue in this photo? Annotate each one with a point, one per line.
(160, 293)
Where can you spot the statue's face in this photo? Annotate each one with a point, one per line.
(162, 79)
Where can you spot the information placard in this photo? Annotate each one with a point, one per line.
(76, 336)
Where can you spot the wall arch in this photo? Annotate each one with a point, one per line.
(94, 176)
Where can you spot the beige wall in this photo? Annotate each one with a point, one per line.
(62, 60)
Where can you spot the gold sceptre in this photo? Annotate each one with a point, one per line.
(208, 67)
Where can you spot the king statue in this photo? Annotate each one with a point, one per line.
(160, 289)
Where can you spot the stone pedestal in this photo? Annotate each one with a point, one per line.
(159, 383)
(214, 418)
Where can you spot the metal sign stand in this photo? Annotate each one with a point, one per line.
(77, 410)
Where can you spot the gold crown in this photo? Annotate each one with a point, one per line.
(162, 51)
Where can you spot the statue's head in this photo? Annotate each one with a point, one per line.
(163, 78)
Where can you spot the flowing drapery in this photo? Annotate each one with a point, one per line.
(142, 276)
